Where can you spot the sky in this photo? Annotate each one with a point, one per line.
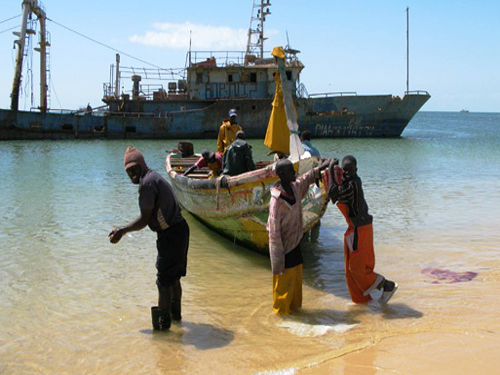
(346, 46)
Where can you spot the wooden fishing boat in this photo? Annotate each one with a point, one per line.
(238, 209)
(238, 206)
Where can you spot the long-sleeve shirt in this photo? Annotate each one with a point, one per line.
(237, 158)
(285, 223)
(351, 193)
(227, 135)
(312, 150)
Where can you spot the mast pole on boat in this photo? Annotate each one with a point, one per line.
(43, 56)
(14, 96)
(30, 6)
(117, 77)
(407, 49)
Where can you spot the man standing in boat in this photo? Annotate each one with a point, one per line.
(238, 157)
(212, 160)
(162, 213)
(227, 132)
(285, 229)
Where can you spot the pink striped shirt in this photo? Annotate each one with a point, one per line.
(285, 221)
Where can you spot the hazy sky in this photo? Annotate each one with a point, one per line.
(345, 45)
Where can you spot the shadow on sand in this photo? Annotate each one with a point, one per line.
(201, 336)
(323, 253)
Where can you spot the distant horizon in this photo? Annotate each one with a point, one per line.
(459, 111)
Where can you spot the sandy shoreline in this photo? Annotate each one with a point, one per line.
(421, 353)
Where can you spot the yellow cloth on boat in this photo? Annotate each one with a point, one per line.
(287, 290)
(278, 134)
(278, 52)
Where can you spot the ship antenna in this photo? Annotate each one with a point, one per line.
(255, 48)
(190, 37)
(407, 50)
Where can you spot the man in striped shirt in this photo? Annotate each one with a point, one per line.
(363, 283)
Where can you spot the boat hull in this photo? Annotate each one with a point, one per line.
(324, 117)
(240, 212)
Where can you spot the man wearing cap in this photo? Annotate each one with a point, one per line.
(227, 132)
(162, 213)
(212, 160)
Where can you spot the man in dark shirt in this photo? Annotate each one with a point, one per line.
(363, 283)
(238, 157)
(162, 213)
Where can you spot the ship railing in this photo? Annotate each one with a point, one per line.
(329, 94)
(157, 74)
(417, 92)
(212, 59)
(162, 114)
(216, 58)
(302, 91)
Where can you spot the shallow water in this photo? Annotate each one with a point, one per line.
(74, 304)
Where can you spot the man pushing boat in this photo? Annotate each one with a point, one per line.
(364, 284)
(285, 229)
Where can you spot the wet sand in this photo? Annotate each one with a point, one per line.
(419, 353)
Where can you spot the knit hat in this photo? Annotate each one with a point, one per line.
(134, 157)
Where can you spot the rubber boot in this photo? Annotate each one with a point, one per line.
(161, 321)
(175, 310)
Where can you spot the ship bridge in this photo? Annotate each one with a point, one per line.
(229, 75)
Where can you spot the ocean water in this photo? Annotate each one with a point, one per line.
(72, 303)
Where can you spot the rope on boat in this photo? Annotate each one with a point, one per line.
(11, 18)
(102, 44)
(217, 185)
(12, 28)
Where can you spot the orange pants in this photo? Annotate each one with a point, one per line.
(359, 262)
(287, 290)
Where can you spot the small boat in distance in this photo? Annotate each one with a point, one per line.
(464, 111)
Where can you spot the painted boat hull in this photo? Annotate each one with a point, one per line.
(240, 212)
(367, 116)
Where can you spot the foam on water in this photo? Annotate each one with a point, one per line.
(314, 330)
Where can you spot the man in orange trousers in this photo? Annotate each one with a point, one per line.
(363, 283)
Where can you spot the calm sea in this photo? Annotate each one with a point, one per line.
(72, 303)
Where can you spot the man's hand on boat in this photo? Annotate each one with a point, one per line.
(328, 163)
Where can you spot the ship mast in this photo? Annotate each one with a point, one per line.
(35, 7)
(255, 44)
(407, 50)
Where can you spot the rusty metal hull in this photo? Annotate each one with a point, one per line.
(240, 212)
(366, 116)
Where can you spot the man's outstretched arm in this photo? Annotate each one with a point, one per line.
(139, 223)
